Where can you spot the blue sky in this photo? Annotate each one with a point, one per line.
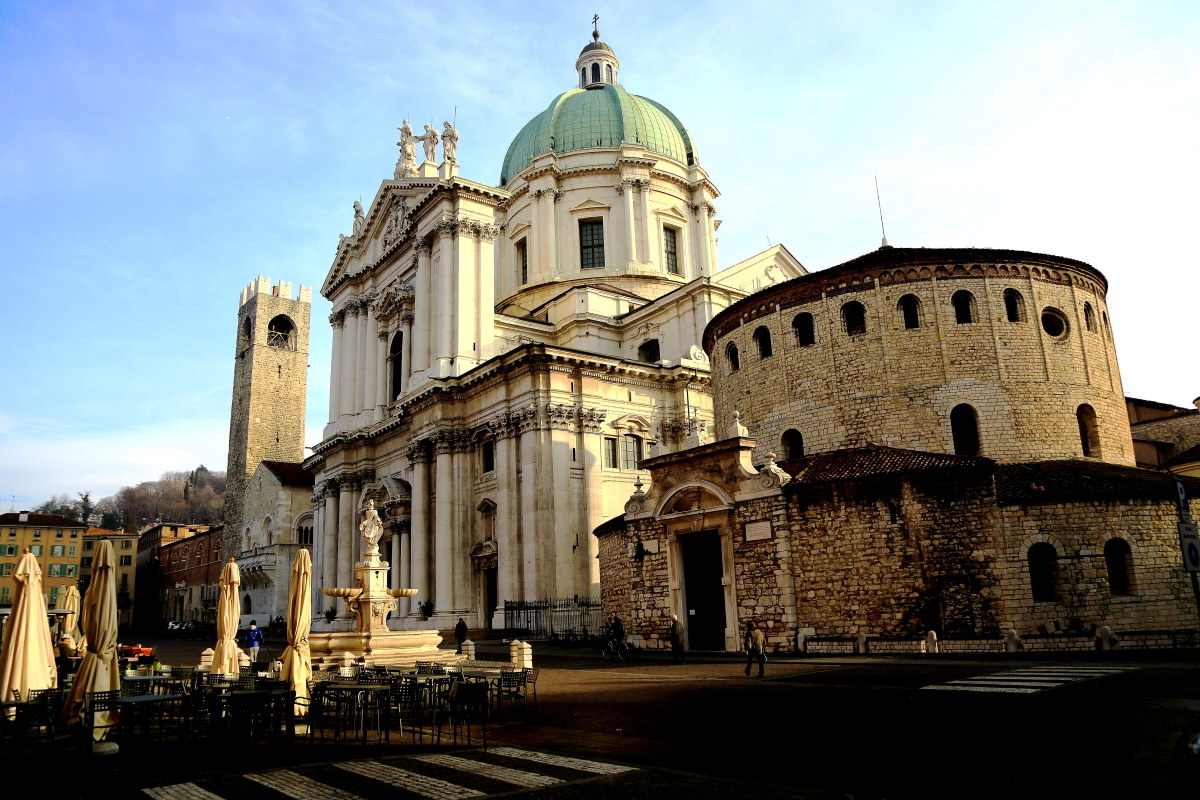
(156, 156)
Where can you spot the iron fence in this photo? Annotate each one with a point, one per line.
(571, 619)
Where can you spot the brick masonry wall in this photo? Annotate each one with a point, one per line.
(897, 386)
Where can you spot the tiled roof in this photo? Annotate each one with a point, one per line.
(1060, 481)
(34, 518)
(290, 473)
(1192, 454)
(864, 462)
(106, 532)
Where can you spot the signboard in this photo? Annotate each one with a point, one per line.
(1189, 543)
(756, 531)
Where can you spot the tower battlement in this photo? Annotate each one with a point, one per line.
(261, 285)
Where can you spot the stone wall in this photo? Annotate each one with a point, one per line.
(896, 385)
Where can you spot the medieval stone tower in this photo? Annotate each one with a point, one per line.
(270, 376)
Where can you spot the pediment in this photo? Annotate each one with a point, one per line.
(519, 230)
(590, 205)
(673, 214)
(631, 423)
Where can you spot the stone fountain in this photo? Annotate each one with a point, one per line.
(371, 600)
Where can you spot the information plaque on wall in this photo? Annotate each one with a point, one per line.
(756, 531)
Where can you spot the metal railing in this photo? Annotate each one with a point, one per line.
(571, 619)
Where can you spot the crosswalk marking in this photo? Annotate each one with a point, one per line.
(580, 764)
(293, 784)
(1027, 681)
(506, 774)
(412, 781)
(181, 791)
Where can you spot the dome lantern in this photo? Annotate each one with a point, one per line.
(597, 65)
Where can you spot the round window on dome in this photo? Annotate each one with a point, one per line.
(1054, 323)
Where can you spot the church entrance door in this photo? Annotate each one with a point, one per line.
(703, 594)
(489, 596)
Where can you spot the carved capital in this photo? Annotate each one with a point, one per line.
(446, 226)
(337, 318)
(423, 246)
(417, 452)
(592, 418)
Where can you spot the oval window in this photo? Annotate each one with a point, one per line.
(1054, 322)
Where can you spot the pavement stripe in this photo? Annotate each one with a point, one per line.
(506, 774)
(562, 761)
(301, 787)
(410, 781)
(180, 791)
(1030, 679)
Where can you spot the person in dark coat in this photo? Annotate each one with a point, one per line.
(460, 633)
(756, 647)
(676, 641)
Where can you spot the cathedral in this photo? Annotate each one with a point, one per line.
(505, 357)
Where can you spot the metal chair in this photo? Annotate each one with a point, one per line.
(531, 678)
(465, 703)
(510, 688)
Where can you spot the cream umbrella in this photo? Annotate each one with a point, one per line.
(68, 623)
(225, 654)
(27, 655)
(98, 672)
(297, 662)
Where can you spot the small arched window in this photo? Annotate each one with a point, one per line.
(396, 364)
(731, 355)
(793, 444)
(1089, 317)
(910, 311)
(608, 69)
(964, 307)
(1014, 305)
(964, 428)
(1089, 440)
(247, 333)
(1043, 572)
(281, 333)
(595, 73)
(583, 77)
(762, 338)
(1118, 559)
(803, 326)
(854, 317)
(649, 352)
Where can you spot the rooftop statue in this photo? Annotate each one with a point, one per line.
(429, 140)
(449, 141)
(406, 167)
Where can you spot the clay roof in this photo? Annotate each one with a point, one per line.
(106, 532)
(1074, 480)
(290, 473)
(1192, 454)
(873, 460)
(34, 518)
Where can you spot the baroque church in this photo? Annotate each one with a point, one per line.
(504, 357)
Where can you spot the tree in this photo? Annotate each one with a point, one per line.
(85, 507)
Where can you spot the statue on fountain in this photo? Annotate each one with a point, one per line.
(372, 529)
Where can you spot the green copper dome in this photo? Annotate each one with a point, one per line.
(604, 116)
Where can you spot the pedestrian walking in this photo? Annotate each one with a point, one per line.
(254, 640)
(677, 641)
(755, 644)
(460, 634)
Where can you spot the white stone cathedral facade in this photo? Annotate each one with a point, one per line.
(504, 356)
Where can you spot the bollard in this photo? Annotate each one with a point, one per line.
(931, 642)
(860, 646)
(526, 655)
(1105, 639)
(514, 652)
(1012, 642)
(468, 649)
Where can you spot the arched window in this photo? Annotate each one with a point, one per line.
(803, 326)
(793, 444)
(1089, 440)
(1014, 305)
(247, 333)
(595, 73)
(731, 355)
(1089, 317)
(1043, 572)
(583, 77)
(608, 68)
(762, 338)
(649, 352)
(396, 364)
(522, 251)
(910, 310)
(487, 456)
(280, 333)
(1118, 558)
(964, 307)
(854, 317)
(246, 609)
(964, 427)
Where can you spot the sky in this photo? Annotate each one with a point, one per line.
(155, 157)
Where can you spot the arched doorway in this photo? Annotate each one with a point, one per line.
(698, 525)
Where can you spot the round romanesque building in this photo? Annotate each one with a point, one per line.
(997, 353)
